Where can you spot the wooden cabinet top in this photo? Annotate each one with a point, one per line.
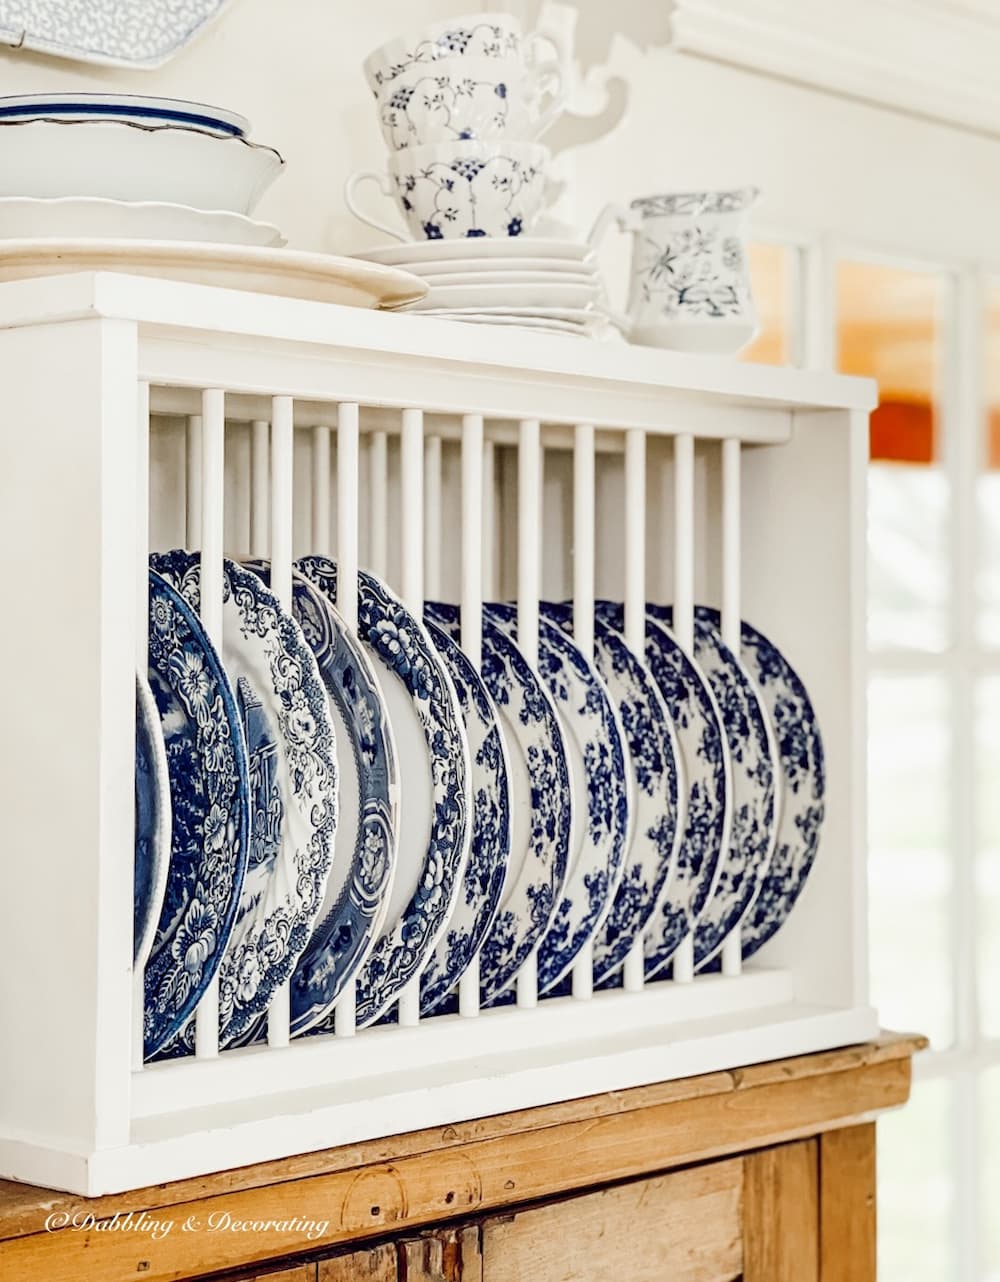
(316, 1201)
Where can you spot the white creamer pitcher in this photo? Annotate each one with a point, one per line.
(690, 282)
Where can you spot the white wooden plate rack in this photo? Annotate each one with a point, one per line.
(460, 463)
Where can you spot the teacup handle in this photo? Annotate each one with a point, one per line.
(553, 70)
(384, 183)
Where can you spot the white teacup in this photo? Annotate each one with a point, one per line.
(461, 98)
(690, 283)
(455, 190)
(476, 35)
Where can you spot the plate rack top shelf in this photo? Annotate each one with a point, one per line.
(335, 353)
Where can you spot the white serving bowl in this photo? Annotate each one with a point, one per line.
(118, 161)
(75, 217)
(136, 108)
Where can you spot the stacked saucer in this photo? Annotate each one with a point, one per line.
(525, 282)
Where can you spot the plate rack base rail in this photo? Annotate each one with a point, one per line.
(462, 464)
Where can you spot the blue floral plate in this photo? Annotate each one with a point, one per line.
(152, 822)
(753, 758)
(542, 804)
(659, 798)
(802, 783)
(293, 789)
(598, 763)
(482, 885)
(364, 856)
(708, 777)
(435, 825)
(210, 804)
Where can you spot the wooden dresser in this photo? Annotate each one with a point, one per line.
(765, 1174)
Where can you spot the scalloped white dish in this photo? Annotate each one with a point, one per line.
(73, 217)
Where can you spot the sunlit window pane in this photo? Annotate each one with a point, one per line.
(916, 1188)
(988, 854)
(909, 869)
(988, 490)
(888, 329)
(772, 270)
(989, 1148)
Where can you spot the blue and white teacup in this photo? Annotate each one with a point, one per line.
(690, 281)
(493, 36)
(463, 98)
(454, 190)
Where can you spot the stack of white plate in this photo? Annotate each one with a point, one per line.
(83, 165)
(529, 283)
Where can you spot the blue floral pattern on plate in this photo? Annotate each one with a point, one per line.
(802, 784)
(357, 890)
(399, 643)
(152, 822)
(210, 805)
(293, 777)
(482, 886)
(753, 757)
(597, 755)
(543, 804)
(144, 33)
(659, 797)
(698, 725)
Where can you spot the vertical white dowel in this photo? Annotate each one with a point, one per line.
(378, 509)
(684, 608)
(489, 522)
(529, 520)
(319, 531)
(732, 955)
(432, 518)
(211, 520)
(141, 639)
(260, 491)
(282, 485)
(192, 496)
(635, 612)
(583, 617)
(472, 613)
(411, 460)
(348, 418)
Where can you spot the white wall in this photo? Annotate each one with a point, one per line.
(293, 66)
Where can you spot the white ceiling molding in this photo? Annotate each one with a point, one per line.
(937, 58)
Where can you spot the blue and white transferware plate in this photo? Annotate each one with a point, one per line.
(753, 756)
(542, 804)
(435, 825)
(293, 788)
(364, 852)
(144, 33)
(597, 760)
(210, 804)
(698, 725)
(802, 783)
(659, 797)
(152, 822)
(482, 885)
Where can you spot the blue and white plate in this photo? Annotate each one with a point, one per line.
(659, 796)
(145, 33)
(132, 108)
(365, 847)
(435, 825)
(597, 760)
(482, 885)
(753, 757)
(542, 804)
(152, 822)
(293, 788)
(210, 804)
(697, 723)
(802, 783)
